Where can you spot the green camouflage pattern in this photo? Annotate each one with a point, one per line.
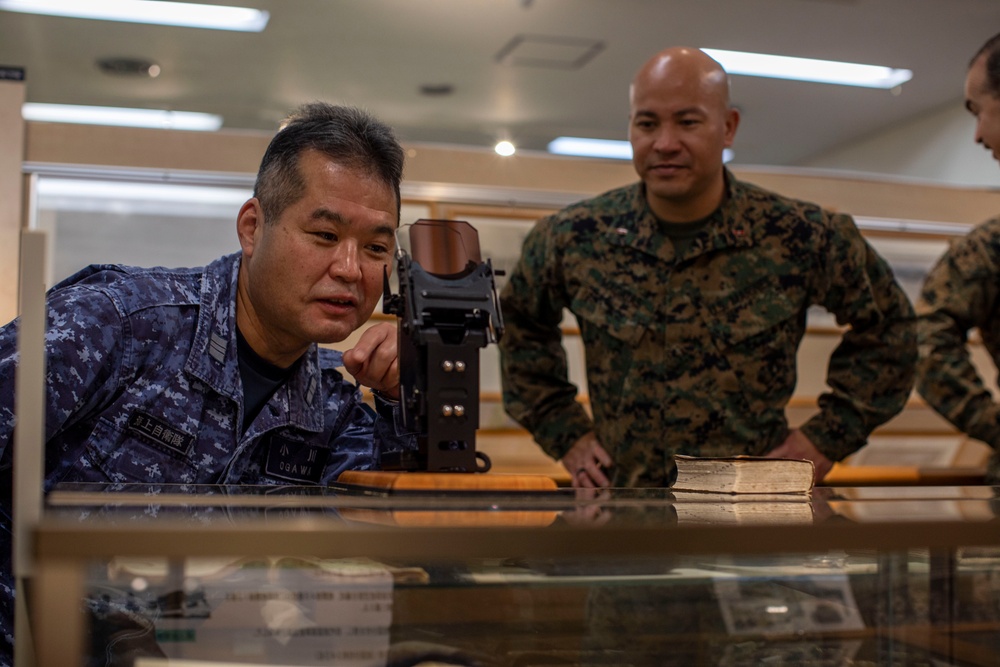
(697, 354)
(962, 292)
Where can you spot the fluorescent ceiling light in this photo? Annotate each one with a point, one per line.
(807, 69)
(185, 14)
(124, 199)
(141, 192)
(155, 118)
(618, 150)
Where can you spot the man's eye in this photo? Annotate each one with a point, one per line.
(378, 249)
(326, 236)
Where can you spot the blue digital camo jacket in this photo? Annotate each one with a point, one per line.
(144, 386)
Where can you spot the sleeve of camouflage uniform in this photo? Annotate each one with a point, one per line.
(81, 360)
(8, 364)
(536, 387)
(960, 292)
(871, 372)
(390, 432)
(61, 342)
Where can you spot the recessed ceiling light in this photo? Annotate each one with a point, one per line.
(505, 148)
(154, 118)
(184, 14)
(608, 148)
(808, 69)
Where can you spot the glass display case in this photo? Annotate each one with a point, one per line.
(353, 576)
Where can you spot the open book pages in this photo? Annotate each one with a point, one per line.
(743, 474)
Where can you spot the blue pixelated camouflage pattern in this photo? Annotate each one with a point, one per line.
(143, 386)
(962, 292)
(697, 354)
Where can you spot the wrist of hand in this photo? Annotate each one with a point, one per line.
(385, 396)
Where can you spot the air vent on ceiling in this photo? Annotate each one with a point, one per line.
(128, 67)
(436, 89)
(549, 51)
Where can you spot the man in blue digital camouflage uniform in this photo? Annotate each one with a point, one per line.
(962, 291)
(691, 290)
(213, 375)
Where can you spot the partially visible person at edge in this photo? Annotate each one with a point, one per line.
(213, 375)
(962, 291)
(691, 290)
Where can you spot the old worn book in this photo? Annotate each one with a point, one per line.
(742, 474)
(700, 507)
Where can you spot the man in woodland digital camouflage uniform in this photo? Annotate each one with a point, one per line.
(963, 290)
(691, 290)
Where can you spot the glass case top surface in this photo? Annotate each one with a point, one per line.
(652, 507)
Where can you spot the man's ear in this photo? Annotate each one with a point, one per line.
(249, 220)
(732, 122)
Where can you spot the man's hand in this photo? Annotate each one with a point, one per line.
(588, 510)
(585, 461)
(374, 361)
(798, 446)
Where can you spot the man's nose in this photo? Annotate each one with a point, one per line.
(665, 140)
(346, 263)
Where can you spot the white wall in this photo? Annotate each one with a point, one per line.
(937, 147)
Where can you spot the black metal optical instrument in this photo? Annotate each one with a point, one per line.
(448, 309)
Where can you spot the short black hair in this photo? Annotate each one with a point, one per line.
(991, 49)
(347, 135)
